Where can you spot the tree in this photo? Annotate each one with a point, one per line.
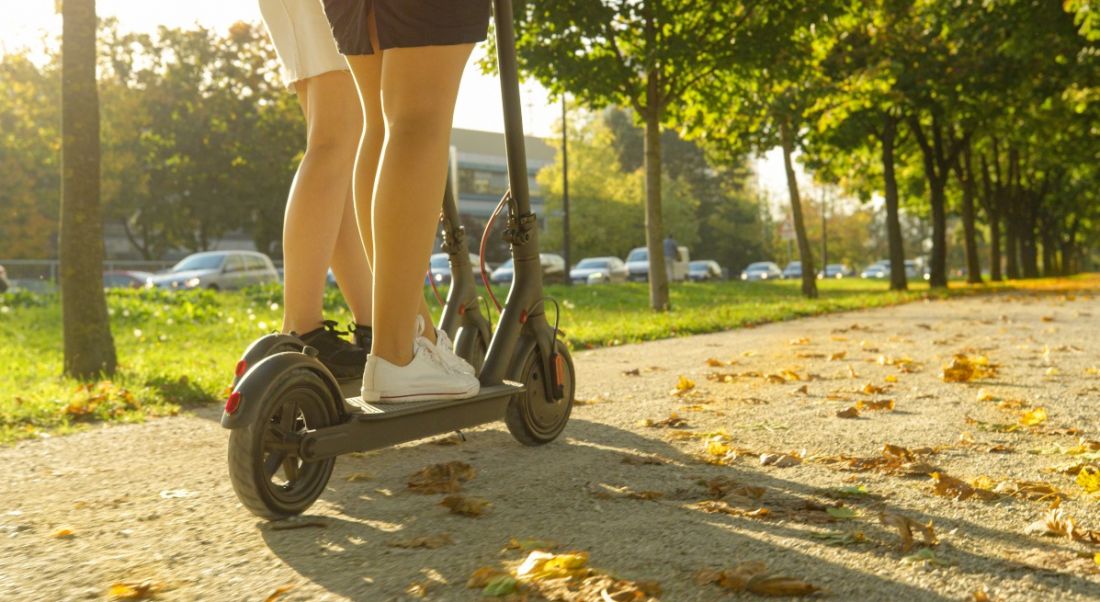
(89, 347)
(641, 54)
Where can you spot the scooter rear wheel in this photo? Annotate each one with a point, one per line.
(533, 417)
(270, 479)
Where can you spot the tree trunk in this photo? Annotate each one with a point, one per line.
(990, 204)
(89, 348)
(937, 161)
(1069, 259)
(658, 275)
(1029, 247)
(805, 254)
(1012, 227)
(964, 169)
(893, 223)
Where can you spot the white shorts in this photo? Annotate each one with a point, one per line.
(302, 37)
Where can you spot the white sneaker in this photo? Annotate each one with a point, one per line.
(446, 351)
(425, 377)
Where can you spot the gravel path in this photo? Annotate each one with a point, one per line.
(151, 503)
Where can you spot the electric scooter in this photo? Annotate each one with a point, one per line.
(287, 413)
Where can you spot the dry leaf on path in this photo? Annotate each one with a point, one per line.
(683, 385)
(957, 489)
(673, 422)
(754, 577)
(279, 591)
(1089, 479)
(466, 506)
(131, 591)
(875, 406)
(441, 478)
(1033, 417)
(428, 542)
(851, 412)
(780, 460)
(964, 368)
(907, 527)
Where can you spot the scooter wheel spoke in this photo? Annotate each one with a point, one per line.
(273, 461)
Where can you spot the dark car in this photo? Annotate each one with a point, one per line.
(125, 279)
(553, 269)
(837, 271)
(704, 269)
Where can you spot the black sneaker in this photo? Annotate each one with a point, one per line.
(345, 360)
(361, 335)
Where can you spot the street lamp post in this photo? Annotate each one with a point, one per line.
(565, 188)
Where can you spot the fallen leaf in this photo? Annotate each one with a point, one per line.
(890, 378)
(64, 533)
(723, 507)
(636, 460)
(132, 591)
(441, 478)
(428, 542)
(852, 491)
(358, 476)
(882, 405)
(926, 556)
(964, 368)
(1089, 479)
(632, 372)
(957, 489)
(502, 585)
(484, 575)
(683, 385)
(804, 389)
(906, 528)
(720, 487)
(466, 506)
(457, 438)
(753, 577)
(851, 412)
(871, 389)
(780, 460)
(1033, 417)
(841, 513)
(279, 591)
(840, 539)
(673, 421)
(837, 356)
(984, 395)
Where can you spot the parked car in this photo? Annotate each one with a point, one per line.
(440, 266)
(761, 270)
(879, 269)
(704, 269)
(637, 262)
(553, 269)
(599, 269)
(125, 279)
(836, 270)
(217, 270)
(793, 270)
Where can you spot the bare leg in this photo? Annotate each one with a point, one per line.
(418, 91)
(316, 207)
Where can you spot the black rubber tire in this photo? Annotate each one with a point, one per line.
(314, 408)
(532, 418)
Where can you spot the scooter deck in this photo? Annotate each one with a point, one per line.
(384, 424)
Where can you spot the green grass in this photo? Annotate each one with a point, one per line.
(177, 350)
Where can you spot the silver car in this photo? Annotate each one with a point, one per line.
(762, 270)
(591, 270)
(217, 270)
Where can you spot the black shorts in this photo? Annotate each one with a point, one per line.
(406, 23)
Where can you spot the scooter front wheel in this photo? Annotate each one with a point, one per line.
(267, 473)
(535, 417)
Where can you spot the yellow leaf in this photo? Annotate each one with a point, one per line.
(836, 357)
(683, 385)
(1096, 558)
(128, 591)
(1052, 371)
(1033, 417)
(851, 412)
(279, 591)
(1089, 479)
(1092, 371)
(890, 378)
(984, 395)
(65, 533)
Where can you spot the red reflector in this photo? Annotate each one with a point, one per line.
(233, 402)
(242, 367)
(523, 317)
(559, 367)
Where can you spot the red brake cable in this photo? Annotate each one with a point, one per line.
(481, 249)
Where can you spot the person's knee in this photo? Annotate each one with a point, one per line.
(418, 120)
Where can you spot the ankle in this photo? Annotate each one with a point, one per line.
(301, 326)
